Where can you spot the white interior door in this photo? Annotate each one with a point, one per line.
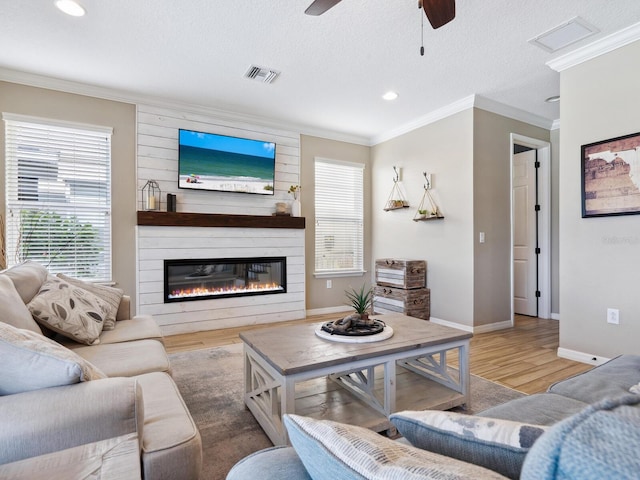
(524, 234)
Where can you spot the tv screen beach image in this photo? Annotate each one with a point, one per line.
(216, 162)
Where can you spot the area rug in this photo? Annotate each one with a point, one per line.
(211, 383)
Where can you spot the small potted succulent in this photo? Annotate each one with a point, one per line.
(361, 301)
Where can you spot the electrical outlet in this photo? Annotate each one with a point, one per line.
(329, 284)
(613, 316)
(481, 237)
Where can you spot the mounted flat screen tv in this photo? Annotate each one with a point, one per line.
(207, 161)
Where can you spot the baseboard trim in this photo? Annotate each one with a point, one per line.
(555, 316)
(581, 356)
(326, 310)
(492, 327)
(447, 323)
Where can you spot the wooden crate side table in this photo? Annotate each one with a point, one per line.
(401, 287)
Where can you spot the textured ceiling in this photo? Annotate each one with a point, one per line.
(334, 67)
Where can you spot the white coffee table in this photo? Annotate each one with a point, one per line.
(291, 370)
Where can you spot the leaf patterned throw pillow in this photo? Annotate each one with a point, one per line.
(69, 310)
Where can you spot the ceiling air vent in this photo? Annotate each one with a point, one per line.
(564, 35)
(262, 74)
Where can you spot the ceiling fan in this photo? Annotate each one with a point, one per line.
(439, 12)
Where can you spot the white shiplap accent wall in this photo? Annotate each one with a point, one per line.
(157, 158)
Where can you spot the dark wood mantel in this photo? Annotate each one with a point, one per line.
(186, 219)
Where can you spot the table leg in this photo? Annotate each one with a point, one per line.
(390, 387)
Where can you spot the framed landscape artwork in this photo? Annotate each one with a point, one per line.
(611, 177)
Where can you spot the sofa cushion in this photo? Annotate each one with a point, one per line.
(27, 277)
(600, 442)
(127, 359)
(500, 445)
(331, 450)
(49, 420)
(12, 309)
(31, 361)
(69, 310)
(537, 409)
(116, 458)
(613, 378)
(171, 444)
(109, 294)
(139, 327)
(275, 463)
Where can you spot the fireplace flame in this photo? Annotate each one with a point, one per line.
(206, 292)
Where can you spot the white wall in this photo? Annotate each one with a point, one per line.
(599, 257)
(444, 149)
(157, 158)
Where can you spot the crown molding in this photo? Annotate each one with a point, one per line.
(432, 117)
(67, 86)
(556, 124)
(124, 96)
(512, 112)
(465, 103)
(599, 47)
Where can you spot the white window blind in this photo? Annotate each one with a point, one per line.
(58, 188)
(339, 217)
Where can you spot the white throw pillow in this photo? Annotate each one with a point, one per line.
(69, 310)
(331, 450)
(12, 309)
(31, 361)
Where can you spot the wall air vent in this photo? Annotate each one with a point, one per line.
(262, 74)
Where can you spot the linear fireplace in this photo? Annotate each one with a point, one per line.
(199, 279)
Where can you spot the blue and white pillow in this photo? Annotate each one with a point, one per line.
(500, 445)
(331, 450)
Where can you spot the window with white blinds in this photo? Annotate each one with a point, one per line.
(339, 207)
(58, 193)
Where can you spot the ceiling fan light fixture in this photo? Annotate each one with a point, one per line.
(390, 95)
(553, 99)
(70, 8)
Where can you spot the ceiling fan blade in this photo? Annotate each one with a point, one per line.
(439, 12)
(318, 7)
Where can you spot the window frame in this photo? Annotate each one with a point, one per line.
(358, 200)
(78, 159)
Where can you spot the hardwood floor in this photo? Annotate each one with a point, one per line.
(523, 357)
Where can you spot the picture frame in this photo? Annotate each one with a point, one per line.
(611, 177)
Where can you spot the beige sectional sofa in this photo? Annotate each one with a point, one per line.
(103, 408)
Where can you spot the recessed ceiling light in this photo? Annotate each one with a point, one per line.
(554, 99)
(390, 95)
(71, 8)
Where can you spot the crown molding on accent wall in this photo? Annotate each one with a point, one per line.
(477, 101)
(512, 112)
(432, 117)
(67, 86)
(465, 103)
(599, 47)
